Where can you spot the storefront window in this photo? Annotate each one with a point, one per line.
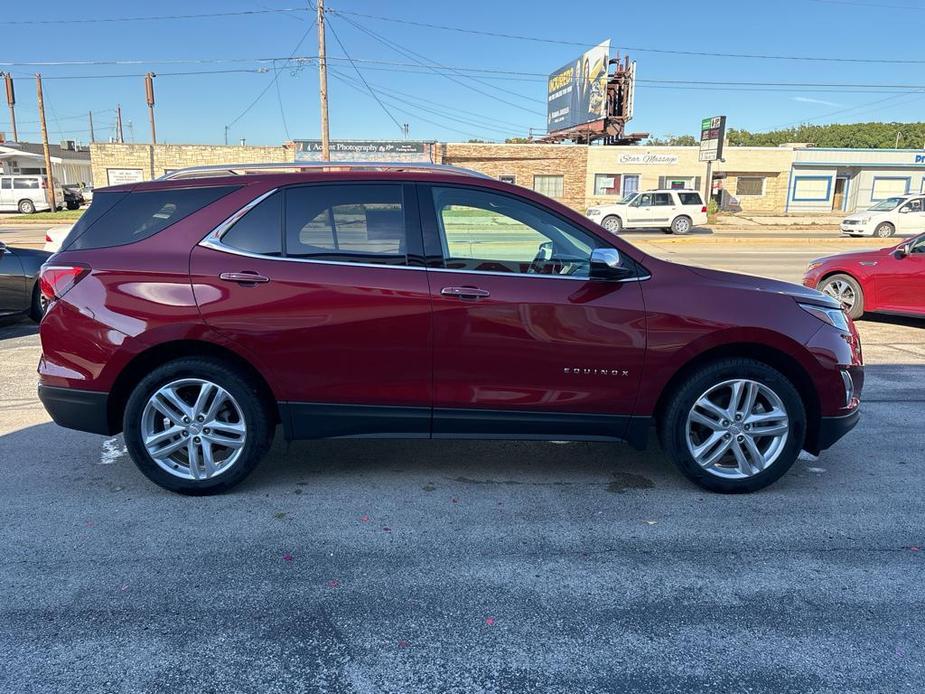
(550, 186)
(606, 184)
(750, 185)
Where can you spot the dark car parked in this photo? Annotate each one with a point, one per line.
(19, 281)
(198, 313)
(73, 196)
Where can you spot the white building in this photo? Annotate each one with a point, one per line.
(69, 163)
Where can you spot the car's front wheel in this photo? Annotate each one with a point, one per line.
(196, 426)
(681, 225)
(612, 223)
(847, 291)
(735, 425)
(884, 230)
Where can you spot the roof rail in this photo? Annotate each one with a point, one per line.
(243, 169)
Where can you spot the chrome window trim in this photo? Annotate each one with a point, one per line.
(213, 241)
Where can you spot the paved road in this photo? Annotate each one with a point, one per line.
(361, 566)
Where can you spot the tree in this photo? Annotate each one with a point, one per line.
(672, 141)
(518, 141)
(873, 135)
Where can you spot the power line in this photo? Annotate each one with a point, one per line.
(148, 18)
(360, 74)
(639, 49)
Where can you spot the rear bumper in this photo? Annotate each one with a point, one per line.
(84, 410)
(831, 429)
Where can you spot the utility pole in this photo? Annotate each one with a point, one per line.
(49, 176)
(149, 97)
(323, 86)
(92, 133)
(11, 102)
(226, 134)
(119, 136)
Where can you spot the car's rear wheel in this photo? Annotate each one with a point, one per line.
(884, 230)
(26, 206)
(196, 426)
(681, 225)
(847, 291)
(612, 223)
(38, 305)
(735, 425)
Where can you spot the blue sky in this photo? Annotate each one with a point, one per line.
(195, 108)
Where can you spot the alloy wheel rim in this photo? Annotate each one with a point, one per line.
(682, 225)
(842, 292)
(611, 224)
(737, 429)
(193, 429)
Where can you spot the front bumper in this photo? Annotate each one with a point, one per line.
(831, 429)
(84, 410)
(856, 229)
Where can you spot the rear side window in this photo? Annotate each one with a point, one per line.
(361, 223)
(30, 183)
(126, 218)
(260, 229)
(690, 198)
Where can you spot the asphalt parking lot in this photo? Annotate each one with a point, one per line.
(387, 566)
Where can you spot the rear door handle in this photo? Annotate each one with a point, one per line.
(245, 277)
(465, 292)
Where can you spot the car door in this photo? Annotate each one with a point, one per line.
(525, 344)
(640, 211)
(910, 218)
(12, 283)
(324, 286)
(900, 280)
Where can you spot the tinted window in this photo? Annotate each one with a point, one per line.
(260, 230)
(488, 232)
(25, 183)
(362, 223)
(663, 199)
(6, 183)
(690, 198)
(129, 217)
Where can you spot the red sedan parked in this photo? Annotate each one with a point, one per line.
(888, 280)
(197, 314)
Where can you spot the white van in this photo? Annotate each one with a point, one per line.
(674, 211)
(26, 194)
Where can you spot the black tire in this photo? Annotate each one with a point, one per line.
(249, 397)
(612, 223)
(857, 309)
(884, 230)
(673, 425)
(73, 205)
(681, 225)
(26, 207)
(38, 304)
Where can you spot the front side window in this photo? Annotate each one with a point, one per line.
(643, 200)
(486, 232)
(918, 246)
(914, 205)
(260, 229)
(550, 186)
(359, 223)
(6, 183)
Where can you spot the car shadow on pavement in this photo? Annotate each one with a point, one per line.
(890, 319)
(658, 233)
(17, 327)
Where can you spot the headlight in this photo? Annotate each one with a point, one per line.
(835, 317)
(593, 212)
(812, 266)
(864, 220)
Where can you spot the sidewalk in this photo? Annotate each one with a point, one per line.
(806, 221)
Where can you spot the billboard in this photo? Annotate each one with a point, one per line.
(577, 92)
(712, 135)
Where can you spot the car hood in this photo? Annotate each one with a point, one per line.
(855, 256)
(765, 284)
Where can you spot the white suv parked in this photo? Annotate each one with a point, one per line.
(675, 211)
(904, 214)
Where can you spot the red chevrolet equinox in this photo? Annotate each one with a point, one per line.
(198, 313)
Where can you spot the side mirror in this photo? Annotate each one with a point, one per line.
(901, 251)
(905, 210)
(606, 265)
(2, 248)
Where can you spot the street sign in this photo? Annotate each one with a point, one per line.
(712, 135)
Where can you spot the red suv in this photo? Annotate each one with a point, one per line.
(197, 314)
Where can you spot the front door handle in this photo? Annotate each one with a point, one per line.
(465, 292)
(246, 277)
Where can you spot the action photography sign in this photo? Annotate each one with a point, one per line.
(577, 92)
(310, 149)
(712, 135)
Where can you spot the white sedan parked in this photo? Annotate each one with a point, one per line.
(55, 236)
(902, 214)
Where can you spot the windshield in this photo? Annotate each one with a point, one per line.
(887, 204)
(628, 198)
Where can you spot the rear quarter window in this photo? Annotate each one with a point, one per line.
(690, 198)
(120, 218)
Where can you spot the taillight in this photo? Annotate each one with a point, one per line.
(47, 238)
(56, 280)
(703, 209)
